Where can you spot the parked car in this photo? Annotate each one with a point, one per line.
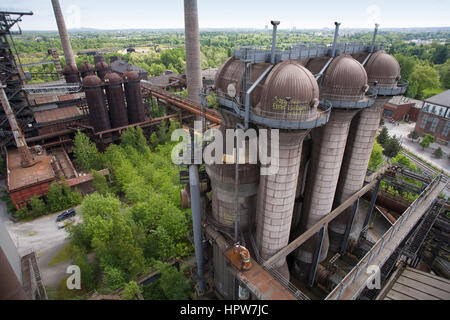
(66, 215)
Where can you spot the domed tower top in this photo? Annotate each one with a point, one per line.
(131, 75)
(344, 80)
(289, 90)
(113, 78)
(92, 81)
(86, 69)
(70, 68)
(229, 77)
(101, 65)
(383, 69)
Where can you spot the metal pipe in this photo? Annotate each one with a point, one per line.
(372, 47)
(333, 51)
(336, 35)
(249, 92)
(197, 223)
(275, 25)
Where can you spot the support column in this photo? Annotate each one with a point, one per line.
(276, 198)
(327, 154)
(363, 131)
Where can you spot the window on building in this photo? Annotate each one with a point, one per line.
(433, 111)
(388, 113)
(434, 124)
(446, 129)
(423, 122)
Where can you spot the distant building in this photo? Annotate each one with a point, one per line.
(120, 66)
(435, 117)
(402, 108)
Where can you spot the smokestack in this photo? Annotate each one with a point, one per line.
(193, 62)
(65, 41)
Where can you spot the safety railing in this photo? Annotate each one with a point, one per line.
(362, 265)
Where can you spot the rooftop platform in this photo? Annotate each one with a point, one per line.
(412, 284)
(58, 115)
(19, 178)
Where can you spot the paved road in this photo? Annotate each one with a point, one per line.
(41, 235)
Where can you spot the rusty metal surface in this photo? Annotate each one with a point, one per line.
(116, 100)
(345, 78)
(96, 100)
(58, 114)
(19, 177)
(291, 81)
(135, 104)
(86, 69)
(71, 74)
(384, 69)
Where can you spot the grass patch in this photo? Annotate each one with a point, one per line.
(32, 233)
(62, 256)
(426, 162)
(63, 293)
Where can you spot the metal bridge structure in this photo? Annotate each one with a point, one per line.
(10, 75)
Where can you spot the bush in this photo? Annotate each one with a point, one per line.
(413, 135)
(21, 213)
(38, 207)
(426, 141)
(131, 291)
(86, 153)
(376, 158)
(438, 153)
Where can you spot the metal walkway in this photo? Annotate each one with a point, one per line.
(355, 281)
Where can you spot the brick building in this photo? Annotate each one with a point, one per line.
(402, 108)
(435, 117)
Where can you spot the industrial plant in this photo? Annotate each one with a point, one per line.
(303, 232)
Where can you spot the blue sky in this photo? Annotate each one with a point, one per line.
(153, 14)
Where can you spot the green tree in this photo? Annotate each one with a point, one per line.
(131, 291)
(173, 283)
(376, 158)
(438, 153)
(413, 135)
(383, 137)
(38, 207)
(86, 153)
(99, 182)
(426, 141)
(113, 278)
(392, 147)
(407, 65)
(55, 197)
(134, 137)
(444, 73)
(440, 54)
(426, 77)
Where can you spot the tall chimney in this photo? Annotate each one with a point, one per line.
(193, 62)
(65, 41)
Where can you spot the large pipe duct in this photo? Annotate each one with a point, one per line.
(65, 41)
(192, 42)
(194, 183)
(275, 25)
(10, 287)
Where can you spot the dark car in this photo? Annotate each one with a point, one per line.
(66, 215)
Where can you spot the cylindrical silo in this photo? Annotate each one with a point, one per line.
(116, 100)
(86, 69)
(384, 70)
(102, 68)
(344, 84)
(288, 91)
(95, 97)
(135, 105)
(71, 74)
(10, 288)
(65, 41)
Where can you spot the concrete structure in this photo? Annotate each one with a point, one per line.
(192, 42)
(434, 118)
(65, 41)
(345, 85)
